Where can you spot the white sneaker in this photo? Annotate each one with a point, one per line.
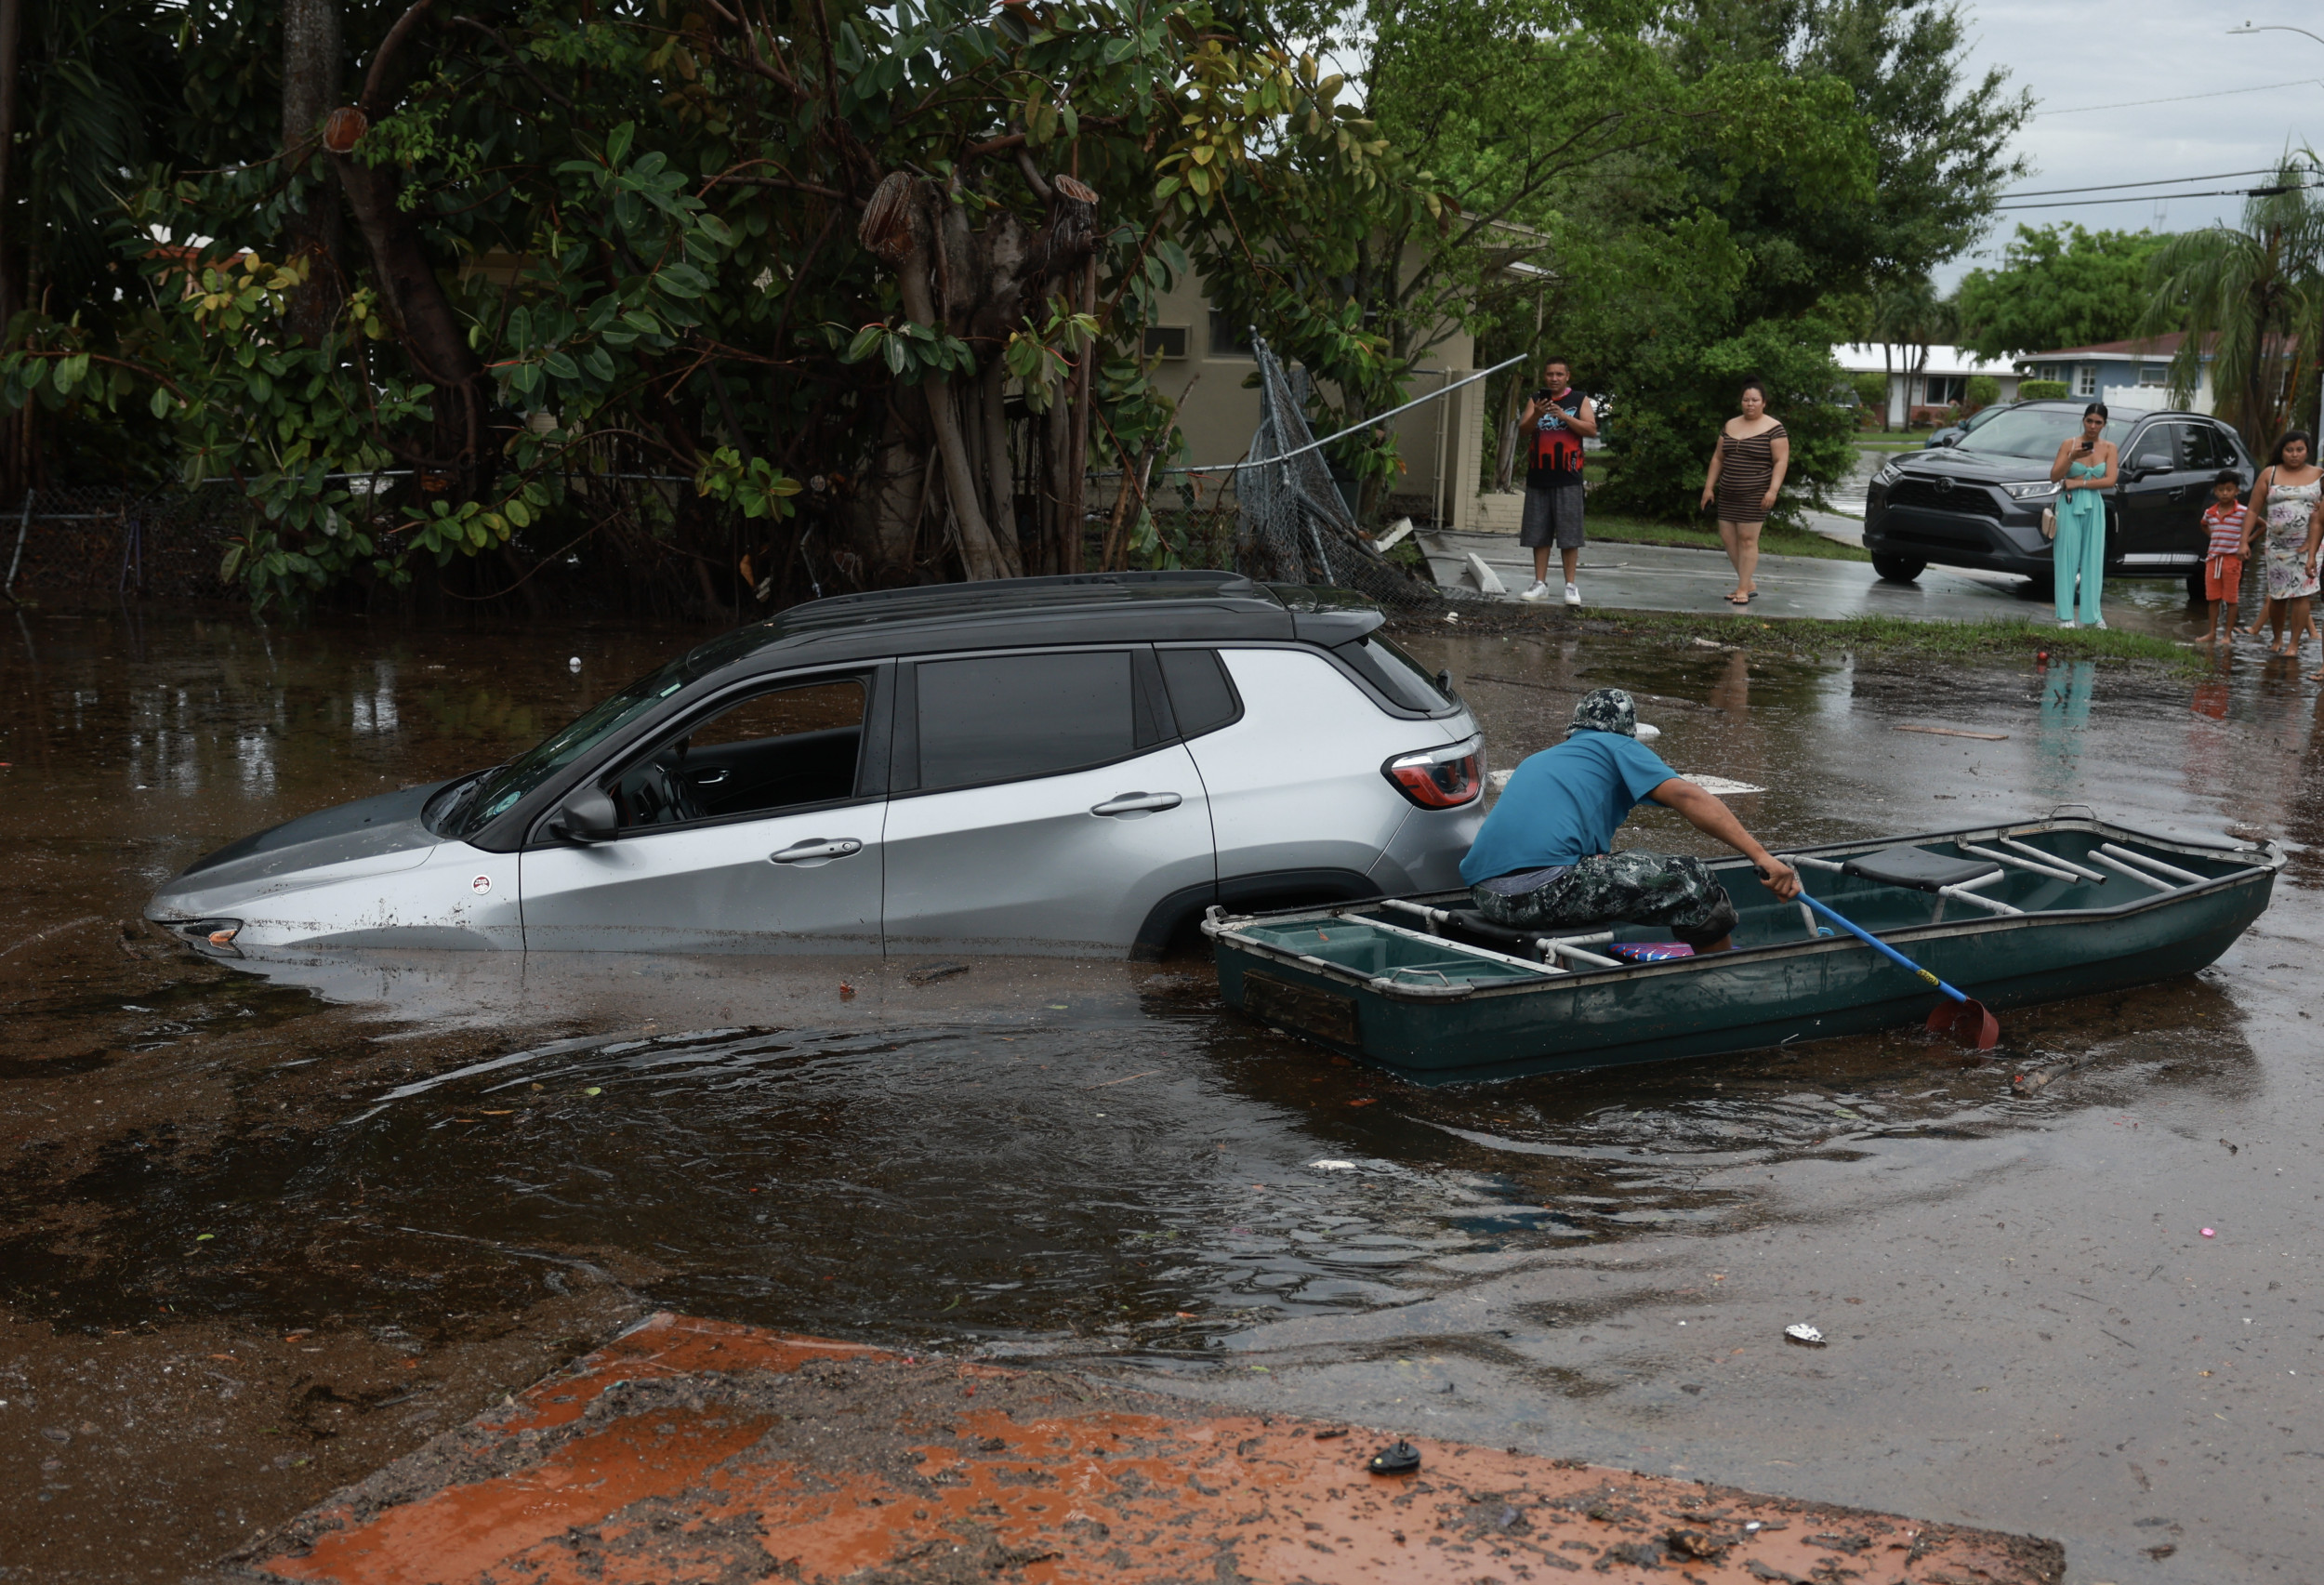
(2100, 622)
(1573, 595)
(2067, 622)
(1538, 591)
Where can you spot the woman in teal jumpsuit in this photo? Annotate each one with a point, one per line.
(2086, 468)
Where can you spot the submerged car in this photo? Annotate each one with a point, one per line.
(1978, 502)
(1066, 765)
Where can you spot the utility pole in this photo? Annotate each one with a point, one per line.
(11, 33)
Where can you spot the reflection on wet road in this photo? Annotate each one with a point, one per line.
(2029, 1329)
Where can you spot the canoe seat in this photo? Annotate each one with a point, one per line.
(1475, 926)
(1919, 868)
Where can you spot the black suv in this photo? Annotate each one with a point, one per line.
(1978, 503)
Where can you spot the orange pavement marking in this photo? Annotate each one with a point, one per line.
(694, 1451)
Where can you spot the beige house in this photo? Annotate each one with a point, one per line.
(1205, 360)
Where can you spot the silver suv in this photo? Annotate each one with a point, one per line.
(1068, 765)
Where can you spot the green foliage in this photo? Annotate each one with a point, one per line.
(2039, 389)
(1983, 390)
(1871, 390)
(1940, 140)
(2253, 298)
(1675, 398)
(2058, 287)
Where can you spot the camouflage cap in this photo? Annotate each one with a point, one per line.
(1605, 709)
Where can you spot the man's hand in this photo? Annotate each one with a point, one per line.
(1779, 877)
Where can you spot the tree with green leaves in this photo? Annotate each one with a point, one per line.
(2057, 286)
(2251, 300)
(870, 280)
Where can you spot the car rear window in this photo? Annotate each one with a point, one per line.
(1402, 679)
(1006, 717)
(1201, 697)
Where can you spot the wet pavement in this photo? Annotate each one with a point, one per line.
(1677, 577)
(260, 1235)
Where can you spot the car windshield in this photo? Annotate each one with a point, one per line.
(493, 793)
(2034, 432)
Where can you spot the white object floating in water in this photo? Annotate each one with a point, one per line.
(1333, 1166)
(573, 665)
(1648, 733)
(1801, 1332)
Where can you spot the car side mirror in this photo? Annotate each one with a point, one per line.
(588, 816)
(2149, 464)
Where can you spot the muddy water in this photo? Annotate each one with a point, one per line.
(408, 1181)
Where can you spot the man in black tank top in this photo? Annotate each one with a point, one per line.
(1555, 424)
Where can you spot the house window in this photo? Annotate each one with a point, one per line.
(1228, 339)
(2154, 374)
(1167, 341)
(2085, 379)
(2048, 371)
(1940, 391)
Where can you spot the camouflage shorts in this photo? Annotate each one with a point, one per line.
(1635, 888)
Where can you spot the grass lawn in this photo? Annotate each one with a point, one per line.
(1773, 540)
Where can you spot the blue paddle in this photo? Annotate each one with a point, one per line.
(1969, 1020)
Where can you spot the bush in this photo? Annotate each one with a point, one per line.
(1983, 392)
(2035, 390)
(1871, 390)
(1676, 396)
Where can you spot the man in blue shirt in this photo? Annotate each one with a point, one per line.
(1544, 856)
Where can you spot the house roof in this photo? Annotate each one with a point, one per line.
(2163, 345)
(1898, 357)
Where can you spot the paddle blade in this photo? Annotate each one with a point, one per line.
(1971, 1023)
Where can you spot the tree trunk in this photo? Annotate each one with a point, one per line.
(11, 244)
(311, 60)
(1505, 458)
(428, 330)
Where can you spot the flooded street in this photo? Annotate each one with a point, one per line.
(264, 1226)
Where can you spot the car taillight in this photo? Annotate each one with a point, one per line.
(1440, 778)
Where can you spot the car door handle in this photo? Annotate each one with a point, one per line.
(816, 848)
(1137, 803)
(708, 778)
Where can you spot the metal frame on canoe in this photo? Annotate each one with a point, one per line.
(1392, 982)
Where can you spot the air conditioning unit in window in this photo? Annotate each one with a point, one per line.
(1167, 341)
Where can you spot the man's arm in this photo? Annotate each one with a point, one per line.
(1584, 418)
(1712, 818)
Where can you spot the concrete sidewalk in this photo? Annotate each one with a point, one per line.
(1668, 577)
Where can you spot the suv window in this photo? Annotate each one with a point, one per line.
(1009, 717)
(2160, 448)
(1405, 681)
(780, 749)
(1201, 697)
(2208, 448)
(2034, 432)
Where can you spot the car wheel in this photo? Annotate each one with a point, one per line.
(1897, 569)
(2195, 589)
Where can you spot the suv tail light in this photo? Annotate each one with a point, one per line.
(1440, 778)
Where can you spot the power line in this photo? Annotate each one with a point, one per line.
(2153, 197)
(2180, 98)
(2157, 182)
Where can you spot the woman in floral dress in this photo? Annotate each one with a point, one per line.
(2285, 503)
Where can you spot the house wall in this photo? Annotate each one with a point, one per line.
(2134, 384)
(1439, 445)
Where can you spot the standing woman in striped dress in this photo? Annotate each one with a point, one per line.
(1747, 469)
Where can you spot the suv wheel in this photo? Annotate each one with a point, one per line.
(1897, 569)
(2195, 589)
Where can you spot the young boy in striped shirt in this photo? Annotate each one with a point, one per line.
(2228, 524)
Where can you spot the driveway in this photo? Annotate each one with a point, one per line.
(1669, 577)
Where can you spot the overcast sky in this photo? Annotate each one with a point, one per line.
(2076, 54)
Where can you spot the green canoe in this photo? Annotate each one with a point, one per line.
(2012, 914)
